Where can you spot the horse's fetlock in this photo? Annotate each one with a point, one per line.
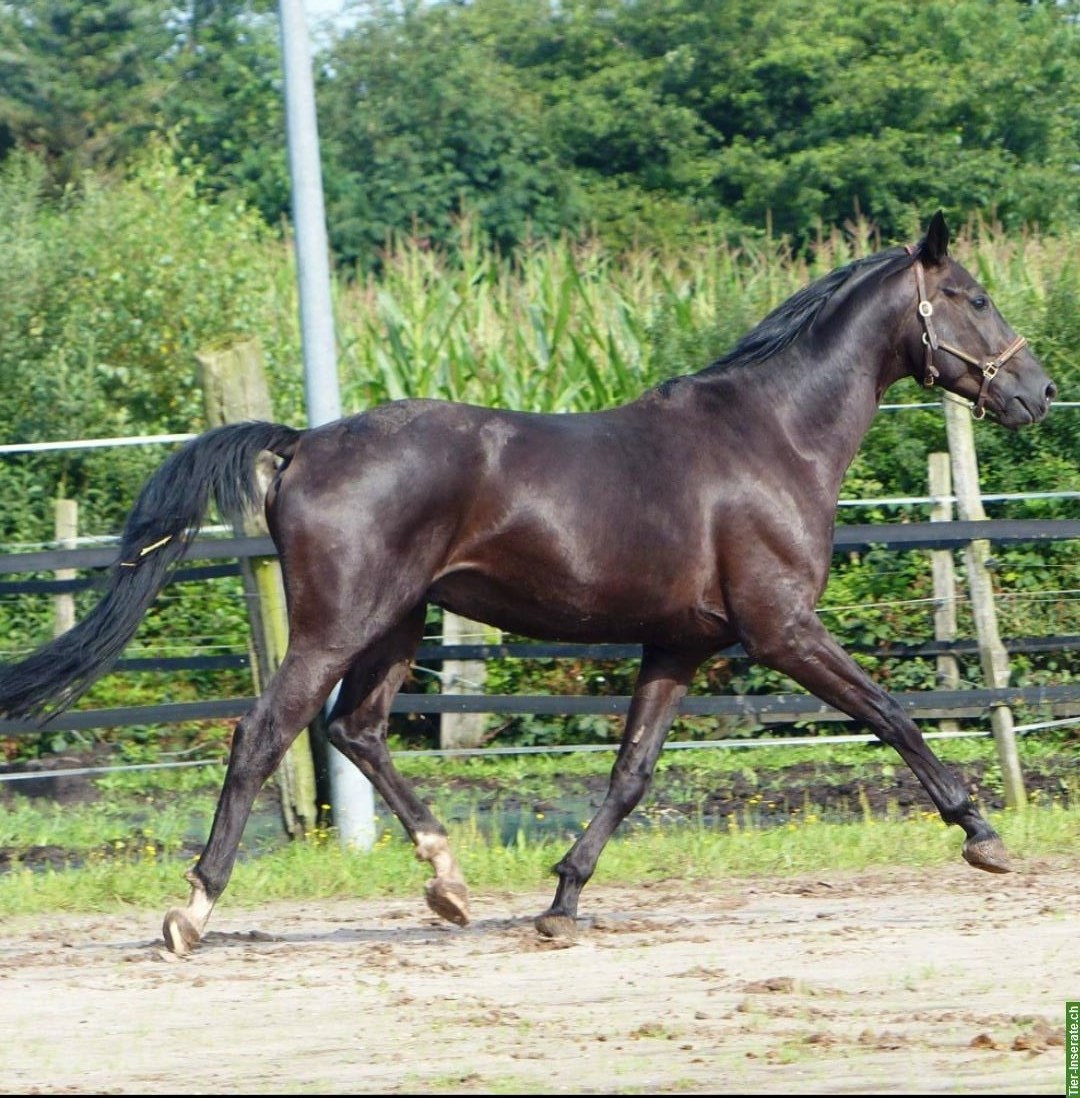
(570, 874)
(206, 885)
(561, 870)
(430, 844)
(961, 810)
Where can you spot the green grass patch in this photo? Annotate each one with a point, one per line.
(321, 869)
(132, 845)
(123, 825)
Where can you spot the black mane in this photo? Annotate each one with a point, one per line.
(795, 315)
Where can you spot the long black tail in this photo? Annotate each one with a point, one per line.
(166, 517)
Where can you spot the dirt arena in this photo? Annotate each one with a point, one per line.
(943, 981)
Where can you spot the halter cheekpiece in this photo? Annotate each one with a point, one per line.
(932, 342)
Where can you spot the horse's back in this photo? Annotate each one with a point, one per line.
(424, 446)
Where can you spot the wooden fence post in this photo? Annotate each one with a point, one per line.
(992, 655)
(462, 677)
(944, 575)
(67, 529)
(235, 389)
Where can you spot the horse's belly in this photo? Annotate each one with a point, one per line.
(619, 613)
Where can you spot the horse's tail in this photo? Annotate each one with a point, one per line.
(165, 518)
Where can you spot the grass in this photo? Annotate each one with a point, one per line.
(758, 775)
(148, 877)
(132, 845)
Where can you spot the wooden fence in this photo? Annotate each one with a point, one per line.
(224, 555)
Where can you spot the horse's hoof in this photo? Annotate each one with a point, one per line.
(180, 933)
(448, 899)
(556, 926)
(989, 854)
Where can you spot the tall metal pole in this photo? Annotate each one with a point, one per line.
(309, 220)
(351, 794)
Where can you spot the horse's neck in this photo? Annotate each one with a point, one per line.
(835, 384)
(816, 405)
(823, 432)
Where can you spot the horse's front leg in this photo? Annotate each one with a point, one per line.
(289, 703)
(662, 682)
(802, 648)
(358, 726)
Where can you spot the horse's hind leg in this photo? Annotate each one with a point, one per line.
(289, 703)
(358, 730)
(662, 682)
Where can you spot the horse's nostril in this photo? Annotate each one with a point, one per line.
(1051, 392)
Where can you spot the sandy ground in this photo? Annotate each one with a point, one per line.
(943, 981)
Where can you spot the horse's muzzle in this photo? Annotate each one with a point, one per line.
(1025, 404)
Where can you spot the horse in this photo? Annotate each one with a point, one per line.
(697, 516)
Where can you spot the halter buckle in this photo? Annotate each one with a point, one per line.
(925, 308)
(990, 370)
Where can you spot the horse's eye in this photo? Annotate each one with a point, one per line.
(980, 301)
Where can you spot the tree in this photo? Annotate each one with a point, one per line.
(658, 115)
(106, 296)
(641, 119)
(87, 82)
(80, 79)
(420, 121)
(225, 106)
(911, 105)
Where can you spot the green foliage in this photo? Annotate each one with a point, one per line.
(225, 107)
(109, 291)
(79, 79)
(660, 116)
(141, 869)
(107, 296)
(911, 103)
(643, 122)
(87, 82)
(421, 121)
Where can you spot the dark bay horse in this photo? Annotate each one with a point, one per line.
(695, 517)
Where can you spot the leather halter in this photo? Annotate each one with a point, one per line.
(932, 342)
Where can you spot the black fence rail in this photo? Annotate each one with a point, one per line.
(1058, 701)
(849, 538)
(764, 709)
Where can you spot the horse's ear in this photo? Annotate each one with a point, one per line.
(935, 245)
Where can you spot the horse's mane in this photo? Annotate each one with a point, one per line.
(795, 315)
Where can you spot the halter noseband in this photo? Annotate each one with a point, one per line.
(931, 342)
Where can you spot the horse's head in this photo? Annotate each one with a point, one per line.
(966, 345)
